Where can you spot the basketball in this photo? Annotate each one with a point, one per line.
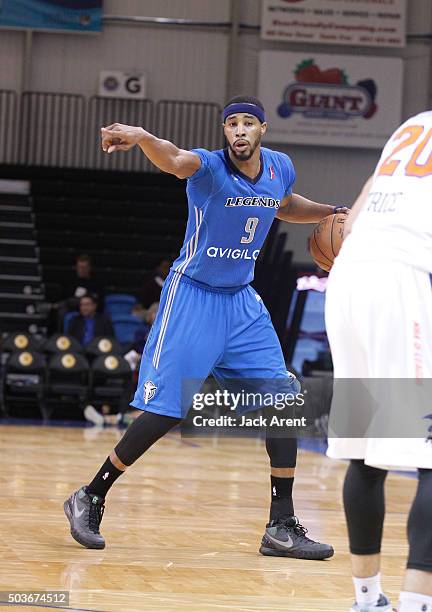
(326, 240)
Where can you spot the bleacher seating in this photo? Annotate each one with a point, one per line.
(56, 377)
(126, 223)
(21, 287)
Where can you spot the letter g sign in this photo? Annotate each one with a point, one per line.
(133, 85)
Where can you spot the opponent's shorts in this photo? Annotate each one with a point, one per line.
(201, 330)
(379, 325)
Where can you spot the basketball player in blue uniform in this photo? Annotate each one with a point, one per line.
(210, 319)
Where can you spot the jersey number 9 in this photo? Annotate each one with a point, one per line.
(250, 228)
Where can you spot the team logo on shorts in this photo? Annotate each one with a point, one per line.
(149, 391)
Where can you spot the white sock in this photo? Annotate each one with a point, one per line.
(414, 602)
(367, 590)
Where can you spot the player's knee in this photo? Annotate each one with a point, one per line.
(366, 473)
(142, 434)
(282, 452)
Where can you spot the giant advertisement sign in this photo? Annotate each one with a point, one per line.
(73, 15)
(379, 23)
(336, 100)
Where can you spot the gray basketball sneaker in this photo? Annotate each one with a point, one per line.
(383, 605)
(85, 513)
(285, 537)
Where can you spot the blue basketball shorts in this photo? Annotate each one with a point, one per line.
(201, 330)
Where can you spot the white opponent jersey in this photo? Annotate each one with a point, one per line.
(395, 222)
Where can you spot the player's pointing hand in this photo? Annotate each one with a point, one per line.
(119, 137)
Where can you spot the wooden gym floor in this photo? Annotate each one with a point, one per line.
(183, 526)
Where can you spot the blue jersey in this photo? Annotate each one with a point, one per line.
(230, 215)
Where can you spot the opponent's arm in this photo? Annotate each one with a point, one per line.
(297, 209)
(162, 153)
(357, 206)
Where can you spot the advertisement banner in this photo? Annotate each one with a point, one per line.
(72, 15)
(379, 23)
(335, 100)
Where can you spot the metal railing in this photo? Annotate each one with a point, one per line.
(8, 131)
(51, 129)
(104, 112)
(62, 130)
(189, 124)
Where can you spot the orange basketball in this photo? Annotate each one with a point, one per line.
(326, 240)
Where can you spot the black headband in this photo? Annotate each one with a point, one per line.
(244, 107)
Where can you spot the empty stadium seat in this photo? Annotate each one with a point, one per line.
(19, 341)
(119, 304)
(67, 385)
(125, 327)
(103, 345)
(111, 382)
(22, 388)
(61, 343)
(67, 320)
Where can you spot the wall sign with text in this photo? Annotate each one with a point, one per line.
(71, 15)
(379, 23)
(330, 99)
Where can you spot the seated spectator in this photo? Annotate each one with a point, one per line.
(83, 283)
(148, 316)
(153, 287)
(90, 324)
(133, 357)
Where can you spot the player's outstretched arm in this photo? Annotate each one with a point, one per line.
(162, 153)
(297, 209)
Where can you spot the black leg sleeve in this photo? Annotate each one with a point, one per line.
(282, 452)
(141, 434)
(420, 525)
(364, 503)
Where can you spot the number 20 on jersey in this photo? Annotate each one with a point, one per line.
(412, 155)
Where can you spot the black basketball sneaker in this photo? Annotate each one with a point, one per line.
(285, 537)
(85, 512)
